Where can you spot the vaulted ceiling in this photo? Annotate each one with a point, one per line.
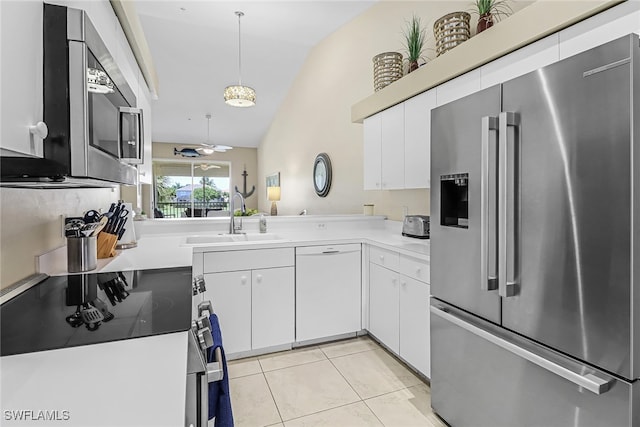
(194, 45)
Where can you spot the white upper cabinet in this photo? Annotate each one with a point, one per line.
(21, 77)
(601, 28)
(384, 149)
(392, 173)
(125, 59)
(459, 87)
(372, 151)
(522, 61)
(417, 139)
(145, 169)
(397, 145)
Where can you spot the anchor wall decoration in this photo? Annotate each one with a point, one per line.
(244, 193)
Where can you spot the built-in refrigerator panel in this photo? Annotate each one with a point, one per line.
(455, 225)
(572, 230)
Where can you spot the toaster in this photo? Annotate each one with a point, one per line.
(416, 226)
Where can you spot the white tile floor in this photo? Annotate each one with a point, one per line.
(341, 384)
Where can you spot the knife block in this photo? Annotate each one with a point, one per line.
(107, 245)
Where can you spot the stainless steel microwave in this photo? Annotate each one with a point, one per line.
(95, 129)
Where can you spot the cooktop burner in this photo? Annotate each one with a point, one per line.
(75, 310)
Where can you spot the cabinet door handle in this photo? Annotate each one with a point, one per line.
(382, 258)
(259, 278)
(395, 282)
(418, 270)
(243, 280)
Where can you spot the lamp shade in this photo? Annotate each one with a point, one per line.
(273, 194)
(240, 96)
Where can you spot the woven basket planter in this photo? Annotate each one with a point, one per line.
(387, 68)
(451, 30)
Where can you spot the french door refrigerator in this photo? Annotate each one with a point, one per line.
(535, 247)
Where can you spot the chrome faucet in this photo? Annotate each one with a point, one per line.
(232, 223)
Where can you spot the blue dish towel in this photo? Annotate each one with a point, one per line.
(219, 398)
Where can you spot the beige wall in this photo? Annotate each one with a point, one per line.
(315, 116)
(239, 159)
(31, 224)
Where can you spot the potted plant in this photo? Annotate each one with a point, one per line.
(487, 10)
(414, 42)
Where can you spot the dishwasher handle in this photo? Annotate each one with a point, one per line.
(328, 250)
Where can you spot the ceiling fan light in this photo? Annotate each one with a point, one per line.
(206, 151)
(240, 96)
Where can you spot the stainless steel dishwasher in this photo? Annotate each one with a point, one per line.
(328, 291)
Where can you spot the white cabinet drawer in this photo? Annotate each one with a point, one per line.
(415, 268)
(384, 257)
(248, 259)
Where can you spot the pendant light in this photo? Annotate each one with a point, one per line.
(239, 95)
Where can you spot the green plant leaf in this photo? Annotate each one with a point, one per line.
(497, 8)
(414, 39)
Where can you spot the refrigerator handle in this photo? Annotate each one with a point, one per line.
(590, 381)
(507, 205)
(488, 187)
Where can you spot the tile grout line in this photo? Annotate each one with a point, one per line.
(324, 410)
(349, 354)
(273, 398)
(346, 380)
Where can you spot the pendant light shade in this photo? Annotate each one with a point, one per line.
(239, 95)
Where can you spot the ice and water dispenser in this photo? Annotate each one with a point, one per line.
(454, 203)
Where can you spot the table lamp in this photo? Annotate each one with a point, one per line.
(273, 194)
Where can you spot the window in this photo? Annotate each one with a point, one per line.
(185, 188)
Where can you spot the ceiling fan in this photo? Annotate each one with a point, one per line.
(208, 148)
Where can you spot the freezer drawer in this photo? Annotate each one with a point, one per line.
(482, 375)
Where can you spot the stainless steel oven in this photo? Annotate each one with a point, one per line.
(201, 372)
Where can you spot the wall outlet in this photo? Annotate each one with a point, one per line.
(321, 226)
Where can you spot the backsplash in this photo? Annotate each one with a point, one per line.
(31, 224)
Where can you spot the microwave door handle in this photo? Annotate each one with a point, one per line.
(121, 111)
(488, 188)
(508, 169)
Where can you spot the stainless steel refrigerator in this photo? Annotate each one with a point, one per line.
(535, 246)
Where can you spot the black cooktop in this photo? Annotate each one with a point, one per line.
(75, 310)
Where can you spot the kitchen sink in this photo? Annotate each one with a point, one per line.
(231, 238)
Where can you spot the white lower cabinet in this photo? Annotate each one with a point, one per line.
(272, 307)
(399, 306)
(384, 309)
(255, 301)
(415, 324)
(230, 293)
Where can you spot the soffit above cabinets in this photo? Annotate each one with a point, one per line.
(524, 27)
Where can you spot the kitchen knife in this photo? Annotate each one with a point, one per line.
(120, 227)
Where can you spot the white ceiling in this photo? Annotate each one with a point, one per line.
(195, 52)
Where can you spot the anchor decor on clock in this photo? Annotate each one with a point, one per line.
(244, 177)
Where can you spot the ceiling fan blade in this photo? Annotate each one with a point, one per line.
(205, 151)
(222, 148)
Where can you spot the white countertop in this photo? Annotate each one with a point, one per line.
(86, 380)
(170, 249)
(136, 382)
